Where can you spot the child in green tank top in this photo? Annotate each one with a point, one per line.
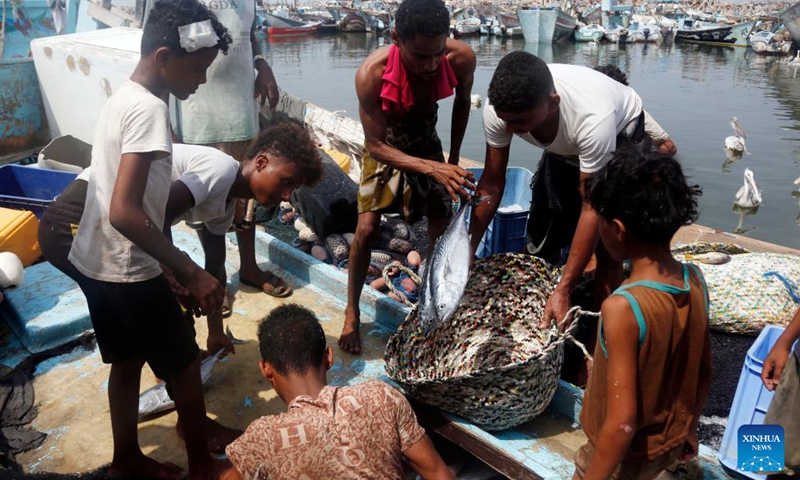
(652, 362)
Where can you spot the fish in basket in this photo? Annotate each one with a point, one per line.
(491, 363)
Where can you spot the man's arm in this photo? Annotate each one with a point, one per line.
(425, 460)
(464, 67)
(621, 333)
(179, 202)
(127, 215)
(660, 137)
(584, 243)
(779, 355)
(373, 120)
(492, 182)
(266, 85)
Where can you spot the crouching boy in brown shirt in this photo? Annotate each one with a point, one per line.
(360, 431)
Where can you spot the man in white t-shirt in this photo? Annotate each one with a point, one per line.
(577, 115)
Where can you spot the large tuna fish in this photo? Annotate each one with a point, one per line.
(446, 272)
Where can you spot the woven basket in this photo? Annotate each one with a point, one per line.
(751, 291)
(490, 363)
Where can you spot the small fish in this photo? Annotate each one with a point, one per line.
(156, 400)
(711, 258)
(447, 271)
(233, 339)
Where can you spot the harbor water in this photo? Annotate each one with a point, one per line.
(691, 90)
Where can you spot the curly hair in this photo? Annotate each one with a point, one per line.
(613, 72)
(290, 142)
(422, 17)
(646, 191)
(520, 83)
(161, 29)
(291, 339)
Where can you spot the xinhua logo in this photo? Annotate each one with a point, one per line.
(760, 448)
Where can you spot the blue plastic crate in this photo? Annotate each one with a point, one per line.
(751, 401)
(31, 188)
(509, 229)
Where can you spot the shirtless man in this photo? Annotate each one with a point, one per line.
(403, 169)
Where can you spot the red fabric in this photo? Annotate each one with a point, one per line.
(396, 91)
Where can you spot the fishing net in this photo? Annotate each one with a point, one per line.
(490, 363)
(749, 292)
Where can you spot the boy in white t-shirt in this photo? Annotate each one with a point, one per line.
(120, 249)
(205, 183)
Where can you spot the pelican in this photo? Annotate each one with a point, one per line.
(749, 196)
(735, 142)
(475, 100)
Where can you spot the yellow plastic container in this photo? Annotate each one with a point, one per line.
(19, 234)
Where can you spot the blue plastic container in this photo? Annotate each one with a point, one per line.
(751, 401)
(31, 188)
(509, 229)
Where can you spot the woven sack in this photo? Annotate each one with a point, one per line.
(751, 291)
(490, 363)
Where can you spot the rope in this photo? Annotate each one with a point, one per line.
(389, 283)
(576, 313)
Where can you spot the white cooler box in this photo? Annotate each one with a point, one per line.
(79, 72)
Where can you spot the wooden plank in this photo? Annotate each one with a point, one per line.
(498, 459)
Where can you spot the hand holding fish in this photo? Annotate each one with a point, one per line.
(454, 178)
(219, 341)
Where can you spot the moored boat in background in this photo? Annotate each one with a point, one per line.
(697, 31)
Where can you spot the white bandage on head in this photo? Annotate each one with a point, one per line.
(198, 35)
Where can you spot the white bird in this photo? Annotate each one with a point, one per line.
(797, 181)
(735, 142)
(476, 100)
(749, 196)
(795, 60)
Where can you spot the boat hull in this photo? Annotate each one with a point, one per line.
(728, 35)
(791, 19)
(292, 31)
(546, 26)
(588, 36)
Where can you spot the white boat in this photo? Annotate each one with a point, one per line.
(768, 43)
(696, 31)
(549, 25)
(644, 33)
(468, 26)
(590, 33)
(617, 34)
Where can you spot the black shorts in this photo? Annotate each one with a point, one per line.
(141, 320)
(131, 320)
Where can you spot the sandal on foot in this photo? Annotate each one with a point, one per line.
(270, 284)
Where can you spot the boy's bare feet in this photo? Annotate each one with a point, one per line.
(350, 340)
(219, 436)
(142, 466)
